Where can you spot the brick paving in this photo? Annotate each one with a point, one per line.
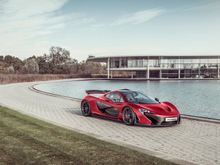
(192, 141)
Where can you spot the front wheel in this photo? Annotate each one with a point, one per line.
(129, 116)
(85, 108)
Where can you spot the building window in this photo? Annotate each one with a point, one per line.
(145, 63)
(140, 63)
(124, 63)
(132, 63)
(154, 63)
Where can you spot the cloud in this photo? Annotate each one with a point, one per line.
(27, 23)
(138, 17)
(206, 5)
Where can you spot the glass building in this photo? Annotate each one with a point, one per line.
(162, 67)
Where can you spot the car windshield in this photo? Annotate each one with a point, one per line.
(139, 98)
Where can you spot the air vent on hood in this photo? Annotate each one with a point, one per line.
(168, 108)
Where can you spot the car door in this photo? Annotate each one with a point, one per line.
(111, 104)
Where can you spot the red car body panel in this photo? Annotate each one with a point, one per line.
(114, 110)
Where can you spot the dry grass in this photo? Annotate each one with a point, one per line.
(25, 140)
(14, 78)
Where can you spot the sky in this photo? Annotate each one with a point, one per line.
(110, 27)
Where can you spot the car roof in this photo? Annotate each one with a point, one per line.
(123, 91)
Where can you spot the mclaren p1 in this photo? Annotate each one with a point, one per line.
(131, 107)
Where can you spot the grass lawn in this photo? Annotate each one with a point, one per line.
(26, 140)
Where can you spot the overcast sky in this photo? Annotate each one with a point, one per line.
(110, 27)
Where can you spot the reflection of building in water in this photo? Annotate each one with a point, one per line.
(162, 66)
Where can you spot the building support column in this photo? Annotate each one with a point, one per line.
(160, 68)
(148, 71)
(218, 72)
(120, 62)
(160, 74)
(108, 68)
(179, 71)
(218, 68)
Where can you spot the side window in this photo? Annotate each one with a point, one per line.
(130, 98)
(109, 96)
(115, 97)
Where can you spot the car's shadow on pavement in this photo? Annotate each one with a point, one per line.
(77, 111)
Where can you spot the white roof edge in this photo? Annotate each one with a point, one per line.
(112, 56)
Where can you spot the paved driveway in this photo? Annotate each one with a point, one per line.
(192, 141)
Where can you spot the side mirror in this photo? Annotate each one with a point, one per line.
(157, 99)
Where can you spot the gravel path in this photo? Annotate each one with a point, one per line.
(192, 141)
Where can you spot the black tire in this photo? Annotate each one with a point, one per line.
(179, 120)
(85, 108)
(128, 116)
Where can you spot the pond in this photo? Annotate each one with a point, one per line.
(192, 97)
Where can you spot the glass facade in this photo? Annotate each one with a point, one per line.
(170, 66)
(154, 63)
(170, 63)
(136, 63)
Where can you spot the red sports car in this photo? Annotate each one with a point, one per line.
(129, 106)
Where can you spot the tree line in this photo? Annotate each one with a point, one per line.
(58, 61)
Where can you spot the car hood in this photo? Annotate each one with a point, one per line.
(160, 108)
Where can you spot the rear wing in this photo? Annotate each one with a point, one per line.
(97, 91)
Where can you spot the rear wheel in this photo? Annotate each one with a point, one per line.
(85, 108)
(179, 120)
(129, 116)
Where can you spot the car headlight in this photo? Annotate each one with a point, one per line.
(142, 110)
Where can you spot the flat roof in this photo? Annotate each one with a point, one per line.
(105, 58)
